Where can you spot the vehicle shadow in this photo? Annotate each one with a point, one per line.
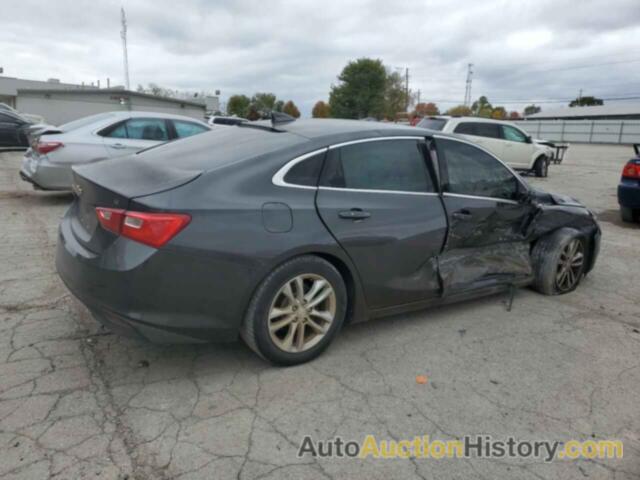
(613, 216)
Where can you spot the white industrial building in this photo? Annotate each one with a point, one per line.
(62, 102)
(610, 111)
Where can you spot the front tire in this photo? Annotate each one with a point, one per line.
(296, 312)
(559, 262)
(627, 214)
(541, 167)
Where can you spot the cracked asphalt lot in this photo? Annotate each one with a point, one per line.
(79, 402)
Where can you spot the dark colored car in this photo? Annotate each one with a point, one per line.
(14, 131)
(280, 233)
(629, 188)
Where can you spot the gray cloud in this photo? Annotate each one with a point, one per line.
(297, 48)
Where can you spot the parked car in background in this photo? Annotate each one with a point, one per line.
(28, 116)
(280, 232)
(14, 131)
(504, 139)
(629, 189)
(225, 121)
(47, 164)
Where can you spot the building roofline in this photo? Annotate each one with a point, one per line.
(119, 91)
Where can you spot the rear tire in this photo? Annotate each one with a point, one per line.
(541, 167)
(559, 261)
(627, 214)
(296, 311)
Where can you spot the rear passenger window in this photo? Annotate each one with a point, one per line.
(394, 165)
(479, 129)
(306, 172)
(147, 129)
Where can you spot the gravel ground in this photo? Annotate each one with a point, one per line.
(79, 402)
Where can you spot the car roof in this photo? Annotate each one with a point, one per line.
(327, 128)
(472, 119)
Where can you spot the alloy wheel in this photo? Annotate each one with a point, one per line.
(570, 265)
(302, 313)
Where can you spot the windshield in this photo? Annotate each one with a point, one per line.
(81, 122)
(432, 123)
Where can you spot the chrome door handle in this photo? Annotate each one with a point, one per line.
(118, 146)
(463, 214)
(354, 214)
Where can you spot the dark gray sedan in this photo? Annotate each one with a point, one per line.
(282, 232)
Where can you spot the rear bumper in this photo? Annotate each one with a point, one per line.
(45, 175)
(145, 293)
(629, 194)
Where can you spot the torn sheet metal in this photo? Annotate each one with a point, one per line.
(504, 262)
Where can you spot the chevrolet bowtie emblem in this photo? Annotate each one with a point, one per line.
(77, 189)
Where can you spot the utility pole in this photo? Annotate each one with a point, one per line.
(406, 88)
(580, 97)
(123, 34)
(419, 93)
(467, 91)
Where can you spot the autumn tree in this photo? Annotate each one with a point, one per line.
(291, 109)
(586, 102)
(427, 109)
(321, 110)
(238, 105)
(499, 113)
(459, 111)
(253, 113)
(514, 115)
(531, 109)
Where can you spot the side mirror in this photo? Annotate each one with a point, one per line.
(529, 139)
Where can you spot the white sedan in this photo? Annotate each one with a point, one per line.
(47, 164)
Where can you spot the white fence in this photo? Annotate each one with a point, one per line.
(584, 131)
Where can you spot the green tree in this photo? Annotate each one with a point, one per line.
(238, 105)
(279, 106)
(291, 109)
(321, 110)
(395, 95)
(531, 109)
(586, 102)
(361, 89)
(482, 107)
(459, 111)
(265, 103)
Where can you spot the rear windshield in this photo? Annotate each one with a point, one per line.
(81, 122)
(433, 123)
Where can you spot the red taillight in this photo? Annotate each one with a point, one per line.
(46, 147)
(153, 229)
(631, 170)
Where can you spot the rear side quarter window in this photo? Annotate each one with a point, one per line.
(306, 172)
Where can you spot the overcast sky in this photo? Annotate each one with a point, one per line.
(521, 50)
